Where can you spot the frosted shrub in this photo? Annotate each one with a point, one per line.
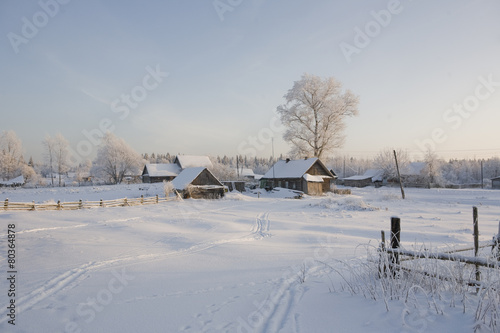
(424, 286)
(168, 188)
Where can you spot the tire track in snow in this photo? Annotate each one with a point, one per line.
(71, 278)
(280, 316)
(262, 226)
(281, 306)
(47, 229)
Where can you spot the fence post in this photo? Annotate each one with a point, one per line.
(382, 257)
(395, 241)
(33, 205)
(58, 204)
(80, 204)
(476, 239)
(142, 199)
(157, 198)
(125, 202)
(6, 204)
(496, 243)
(101, 203)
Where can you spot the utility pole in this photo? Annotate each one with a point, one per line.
(274, 162)
(344, 167)
(399, 175)
(237, 166)
(482, 175)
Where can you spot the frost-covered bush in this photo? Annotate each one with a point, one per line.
(168, 188)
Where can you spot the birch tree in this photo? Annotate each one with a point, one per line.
(61, 155)
(314, 115)
(385, 161)
(49, 155)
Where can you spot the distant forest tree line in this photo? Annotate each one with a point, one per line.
(116, 159)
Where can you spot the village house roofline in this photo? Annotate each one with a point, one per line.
(161, 170)
(294, 168)
(374, 174)
(187, 176)
(193, 161)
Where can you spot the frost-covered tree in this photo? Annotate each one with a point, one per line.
(56, 155)
(83, 171)
(314, 115)
(115, 158)
(49, 153)
(385, 160)
(29, 174)
(11, 158)
(433, 168)
(61, 155)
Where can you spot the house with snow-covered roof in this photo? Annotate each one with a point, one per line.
(193, 161)
(198, 183)
(308, 175)
(17, 181)
(156, 173)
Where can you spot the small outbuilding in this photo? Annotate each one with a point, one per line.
(495, 183)
(370, 177)
(413, 175)
(156, 173)
(198, 183)
(14, 182)
(308, 175)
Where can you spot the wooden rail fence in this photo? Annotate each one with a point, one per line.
(394, 253)
(19, 206)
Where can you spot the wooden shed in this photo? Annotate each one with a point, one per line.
(370, 177)
(156, 173)
(308, 175)
(495, 183)
(198, 183)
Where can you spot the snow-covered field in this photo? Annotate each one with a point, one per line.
(240, 264)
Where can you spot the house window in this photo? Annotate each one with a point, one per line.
(286, 185)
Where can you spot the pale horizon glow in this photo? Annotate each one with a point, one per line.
(186, 77)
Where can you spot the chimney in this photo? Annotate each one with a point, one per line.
(287, 160)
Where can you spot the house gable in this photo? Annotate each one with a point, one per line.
(198, 183)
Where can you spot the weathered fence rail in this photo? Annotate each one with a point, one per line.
(26, 206)
(391, 255)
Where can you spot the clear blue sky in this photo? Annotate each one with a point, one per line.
(229, 67)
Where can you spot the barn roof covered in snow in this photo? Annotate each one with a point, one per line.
(293, 169)
(186, 177)
(162, 170)
(189, 176)
(13, 182)
(192, 161)
(374, 174)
